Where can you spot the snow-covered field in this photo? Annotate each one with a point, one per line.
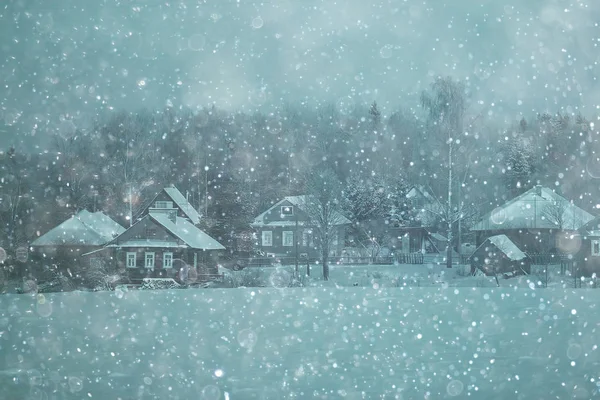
(304, 343)
(387, 276)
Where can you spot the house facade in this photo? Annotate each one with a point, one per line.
(420, 234)
(163, 241)
(537, 221)
(286, 230)
(586, 244)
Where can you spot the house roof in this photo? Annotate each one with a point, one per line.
(504, 244)
(84, 228)
(419, 190)
(296, 201)
(180, 201)
(146, 243)
(592, 228)
(187, 232)
(183, 204)
(535, 209)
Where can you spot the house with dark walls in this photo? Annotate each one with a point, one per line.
(286, 229)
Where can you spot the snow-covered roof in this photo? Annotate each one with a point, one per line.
(538, 208)
(183, 204)
(419, 190)
(297, 201)
(146, 243)
(187, 232)
(84, 228)
(504, 244)
(438, 237)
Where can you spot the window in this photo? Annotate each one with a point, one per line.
(149, 260)
(288, 238)
(596, 247)
(131, 259)
(267, 238)
(287, 211)
(306, 238)
(167, 260)
(163, 204)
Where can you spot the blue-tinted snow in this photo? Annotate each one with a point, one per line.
(351, 343)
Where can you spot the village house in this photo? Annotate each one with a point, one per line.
(537, 221)
(286, 230)
(586, 246)
(82, 233)
(498, 254)
(420, 235)
(162, 241)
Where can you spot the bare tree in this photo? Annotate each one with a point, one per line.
(322, 203)
(446, 109)
(556, 213)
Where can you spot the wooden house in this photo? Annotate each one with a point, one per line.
(420, 235)
(497, 255)
(162, 241)
(82, 233)
(586, 245)
(286, 230)
(537, 221)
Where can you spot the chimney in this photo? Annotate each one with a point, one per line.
(538, 190)
(172, 214)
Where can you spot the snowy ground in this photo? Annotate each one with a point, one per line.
(304, 343)
(387, 276)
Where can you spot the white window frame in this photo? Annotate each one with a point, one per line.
(287, 239)
(290, 214)
(149, 258)
(305, 238)
(267, 238)
(168, 256)
(163, 204)
(131, 256)
(595, 243)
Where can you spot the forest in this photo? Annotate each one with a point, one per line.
(233, 165)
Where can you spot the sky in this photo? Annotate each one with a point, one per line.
(64, 62)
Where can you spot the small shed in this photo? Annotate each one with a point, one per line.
(498, 254)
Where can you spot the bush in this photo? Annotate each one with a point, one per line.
(248, 277)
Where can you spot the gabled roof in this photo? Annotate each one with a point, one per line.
(505, 245)
(419, 190)
(296, 201)
(183, 204)
(534, 209)
(592, 228)
(84, 228)
(180, 201)
(187, 232)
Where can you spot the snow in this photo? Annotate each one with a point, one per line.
(297, 201)
(188, 232)
(511, 250)
(183, 204)
(92, 229)
(534, 209)
(146, 243)
(328, 343)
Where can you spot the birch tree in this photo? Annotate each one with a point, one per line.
(322, 203)
(445, 104)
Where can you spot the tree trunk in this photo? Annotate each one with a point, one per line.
(449, 212)
(325, 255)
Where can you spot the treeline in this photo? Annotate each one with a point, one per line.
(232, 166)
